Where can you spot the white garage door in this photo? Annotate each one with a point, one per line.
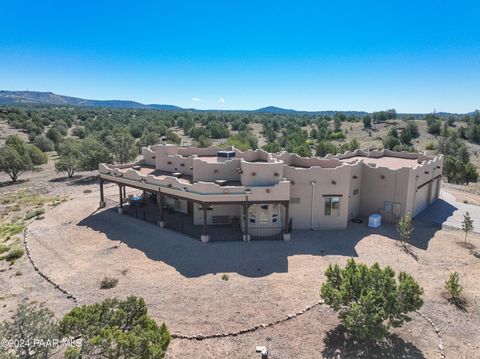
(421, 200)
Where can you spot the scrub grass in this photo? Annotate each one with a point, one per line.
(34, 213)
(14, 254)
(27, 198)
(10, 229)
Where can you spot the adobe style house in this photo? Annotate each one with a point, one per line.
(266, 195)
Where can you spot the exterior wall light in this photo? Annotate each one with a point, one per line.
(333, 182)
(267, 190)
(382, 177)
(254, 174)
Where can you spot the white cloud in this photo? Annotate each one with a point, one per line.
(195, 99)
(221, 100)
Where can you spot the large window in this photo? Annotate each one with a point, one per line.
(252, 218)
(264, 213)
(275, 213)
(332, 206)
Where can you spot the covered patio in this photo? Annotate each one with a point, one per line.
(153, 206)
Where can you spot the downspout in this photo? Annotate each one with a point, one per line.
(415, 196)
(313, 204)
(394, 196)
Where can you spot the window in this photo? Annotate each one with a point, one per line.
(295, 200)
(275, 213)
(387, 206)
(252, 218)
(264, 213)
(332, 206)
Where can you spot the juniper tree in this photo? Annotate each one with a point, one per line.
(370, 300)
(467, 225)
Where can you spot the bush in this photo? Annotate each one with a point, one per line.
(28, 324)
(3, 248)
(34, 213)
(113, 327)
(43, 143)
(225, 277)
(14, 254)
(431, 146)
(369, 299)
(452, 285)
(339, 135)
(108, 283)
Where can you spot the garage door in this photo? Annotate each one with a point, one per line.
(421, 200)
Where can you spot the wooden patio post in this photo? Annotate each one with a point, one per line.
(286, 233)
(161, 213)
(246, 235)
(205, 238)
(120, 192)
(102, 197)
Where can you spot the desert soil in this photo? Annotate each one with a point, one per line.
(180, 279)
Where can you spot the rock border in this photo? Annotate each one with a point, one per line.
(437, 331)
(247, 330)
(43, 275)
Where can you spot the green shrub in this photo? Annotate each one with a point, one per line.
(3, 248)
(34, 213)
(452, 285)
(117, 329)
(14, 254)
(370, 300)
(337, 135)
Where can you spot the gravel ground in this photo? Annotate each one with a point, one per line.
(180, 279)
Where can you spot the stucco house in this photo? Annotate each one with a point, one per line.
(266, 195)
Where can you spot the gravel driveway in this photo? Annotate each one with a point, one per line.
(448, 212)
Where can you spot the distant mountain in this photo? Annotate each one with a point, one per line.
(49, 98)
(286, 111)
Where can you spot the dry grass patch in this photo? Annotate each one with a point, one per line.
(108, 283)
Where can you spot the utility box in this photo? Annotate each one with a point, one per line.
(374, 220)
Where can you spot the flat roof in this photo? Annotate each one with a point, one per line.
(148, 170)
(393, 163)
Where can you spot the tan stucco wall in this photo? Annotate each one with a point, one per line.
(277, 178)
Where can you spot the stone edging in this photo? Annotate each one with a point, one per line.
(437, 331)
(248, 330)
(43, 275)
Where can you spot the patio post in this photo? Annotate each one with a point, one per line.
(286, 233)
(161, 213)
(102, 197)
(120, 192)
(246, 235)
(205, 237)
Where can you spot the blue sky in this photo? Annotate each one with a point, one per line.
(415, 56)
